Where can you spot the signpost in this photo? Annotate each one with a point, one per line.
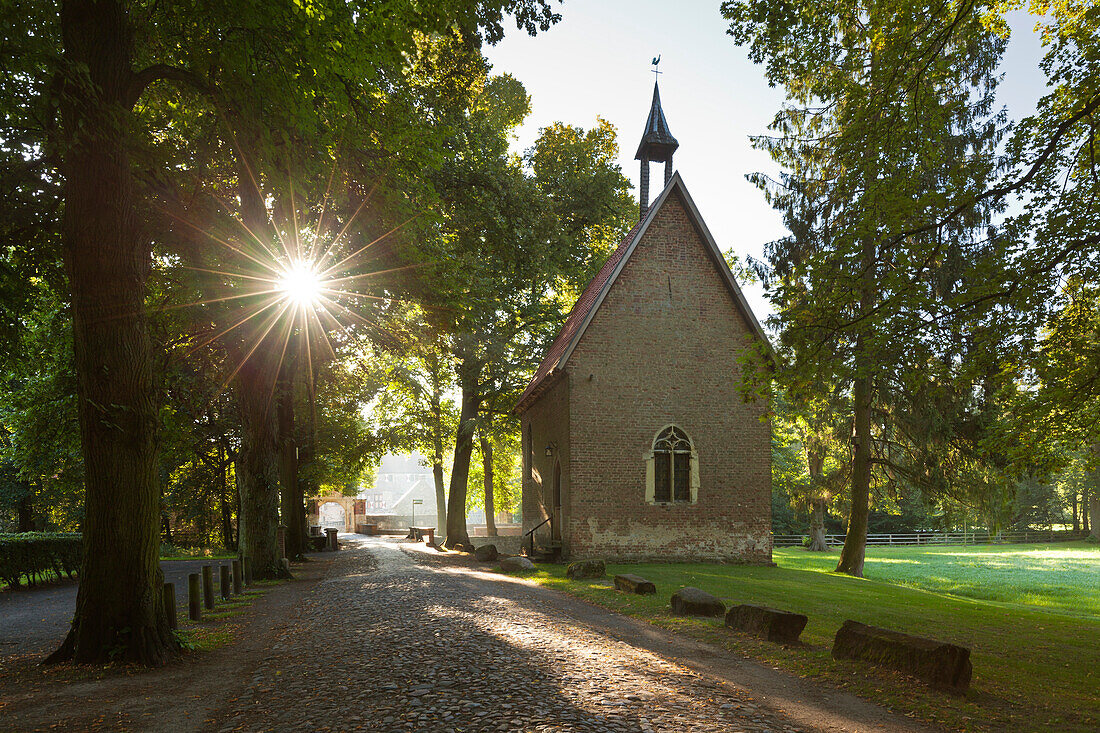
(415, 502)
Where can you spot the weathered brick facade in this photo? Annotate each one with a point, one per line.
(661, 348)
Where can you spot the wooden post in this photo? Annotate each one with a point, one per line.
(223, 572)
(194, 608)
(208, 587)
(237, 577)
(170, 604)
(246, 563)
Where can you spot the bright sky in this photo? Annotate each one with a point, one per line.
(596, 62)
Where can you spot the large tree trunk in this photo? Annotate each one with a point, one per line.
(460, 469)
(305, 486)
(487, 469)
(818, 542)
(257, 471)
(25, 511)
(855, 543)
(1076, 514)
(119, 604)
(288, 466)
(1085, 522)
(1094, 514)
(815, 460)
(228, 540)
(258, 461)
(437, 460)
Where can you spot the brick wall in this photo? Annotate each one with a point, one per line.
(663, 348)
(548, 421)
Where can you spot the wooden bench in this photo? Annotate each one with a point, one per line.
(422, 533)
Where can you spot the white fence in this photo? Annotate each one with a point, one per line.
(942, 538)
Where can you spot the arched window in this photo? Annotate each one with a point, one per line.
(672, 471)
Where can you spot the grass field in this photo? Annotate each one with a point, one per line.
(1062, 576)
(1034, 634)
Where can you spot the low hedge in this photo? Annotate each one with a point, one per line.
(32, 555)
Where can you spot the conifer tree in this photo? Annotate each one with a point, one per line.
(889, 124)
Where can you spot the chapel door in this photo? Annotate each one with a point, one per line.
(555, 503)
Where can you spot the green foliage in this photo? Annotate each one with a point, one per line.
(507, 478)
(34, 555)
(885, 288)
(40, 458)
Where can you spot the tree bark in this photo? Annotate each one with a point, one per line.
(1085, 522)
(855, 542)
(457, 532)
(815, 460)
(166, 526)
(487, 470)
(25, 510)
(437, 460)
(119, 606)
(258, 461)
(257, 470)
(818, 543)
(1094, 514)
(228, 540)
(290, 489)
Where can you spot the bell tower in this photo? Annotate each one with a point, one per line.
(657, 144)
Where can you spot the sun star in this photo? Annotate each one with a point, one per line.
(300, 283)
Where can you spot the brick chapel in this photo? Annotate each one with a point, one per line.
(637, 444)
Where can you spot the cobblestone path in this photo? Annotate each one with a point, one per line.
(390, 644)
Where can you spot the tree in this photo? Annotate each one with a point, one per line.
(517, 242)
(890, 126)
(74, 114)
(412, 412)
(119, 603)
(1056, 169)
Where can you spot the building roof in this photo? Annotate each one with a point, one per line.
(586, 306)
(403, 463)
(657, 142)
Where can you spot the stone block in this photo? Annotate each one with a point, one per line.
(630, 583)
(771, 624)
(516, 564)
(942, 665)
(695, 602)
(486, 553)
(585, 569)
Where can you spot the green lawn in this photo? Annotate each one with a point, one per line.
(1060, 576)
(1035, 645)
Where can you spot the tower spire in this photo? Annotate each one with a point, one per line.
(657, 144)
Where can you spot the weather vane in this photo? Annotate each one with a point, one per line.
(656, 60)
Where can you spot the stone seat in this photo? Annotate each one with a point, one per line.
(631, 583)
(690, 601)
(771, 624)
(942, 665)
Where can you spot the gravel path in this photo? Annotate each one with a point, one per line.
(387, 643)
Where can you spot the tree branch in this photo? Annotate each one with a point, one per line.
(141, 81)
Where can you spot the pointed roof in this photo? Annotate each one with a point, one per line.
(657, 142)
(553, 363)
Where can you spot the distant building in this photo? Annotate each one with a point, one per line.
(400, 480)
(636, 441)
